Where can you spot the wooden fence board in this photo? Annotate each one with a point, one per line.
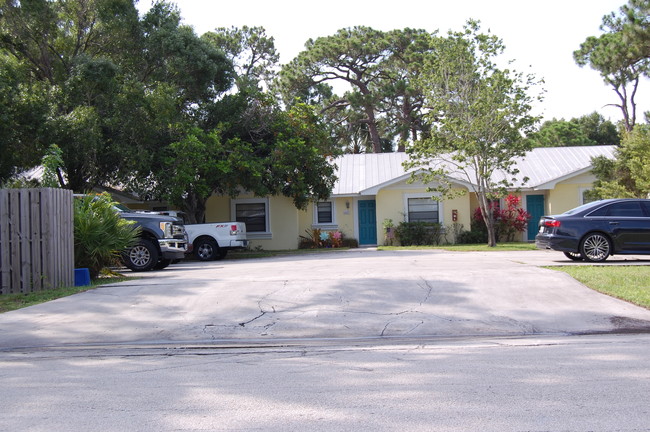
(36, 239)
(5, 256)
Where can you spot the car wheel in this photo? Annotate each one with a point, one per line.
(595, 247)
(141, 257)
(574, 256)
(206, 249)
(163, 263)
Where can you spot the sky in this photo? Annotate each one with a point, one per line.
(540, 36)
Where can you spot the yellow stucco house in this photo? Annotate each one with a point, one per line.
(372, 188)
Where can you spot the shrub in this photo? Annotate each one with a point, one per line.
(507, 222)
(419, 233)
(316, 238)
(100, 234)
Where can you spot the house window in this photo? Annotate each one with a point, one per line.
(585, 196)
(254, 213)
(423, 210)
(324, 213)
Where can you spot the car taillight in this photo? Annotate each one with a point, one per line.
(233, 229)
(552, 223)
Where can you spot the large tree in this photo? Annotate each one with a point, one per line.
(478, 114)
(270, 152)
(69, 52)
(251, 51)
(353, 56)
(402, 99)
(118, 88)
(23, 103)
(621, 55)
(591, 129)
(627, 176)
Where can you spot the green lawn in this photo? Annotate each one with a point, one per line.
(9, 302)
(629, 283)
(518, 246)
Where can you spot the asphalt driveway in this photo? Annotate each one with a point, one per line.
(348, 294)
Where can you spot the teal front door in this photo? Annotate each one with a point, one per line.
(367, 222)
(534, 206)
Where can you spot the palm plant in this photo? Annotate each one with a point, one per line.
(100, 234)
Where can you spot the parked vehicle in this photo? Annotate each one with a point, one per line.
(596, 230)
(212, 241)
(163, 240)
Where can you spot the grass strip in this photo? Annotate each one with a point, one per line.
(629, 283)
(10, 302)
(517, 246)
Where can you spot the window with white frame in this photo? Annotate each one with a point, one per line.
(324, 213)
(423, 209)
(584, 196)
(253, 212)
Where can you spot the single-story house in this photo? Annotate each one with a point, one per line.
(373, 188)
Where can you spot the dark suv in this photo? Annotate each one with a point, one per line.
(163, 240)
(596, 230)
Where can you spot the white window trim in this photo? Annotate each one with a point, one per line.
(327, 226)
(441, 214)
(581, 194)
(253, 235)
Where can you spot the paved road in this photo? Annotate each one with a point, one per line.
(578, 383)
(351, 294)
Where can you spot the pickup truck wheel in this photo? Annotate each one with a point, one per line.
(141, 257)
(206, 249)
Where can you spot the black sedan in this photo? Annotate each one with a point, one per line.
(596, 230)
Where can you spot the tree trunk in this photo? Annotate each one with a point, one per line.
(488, 218)
(372, 128)
(406, 124)
(492, 240)
(194, 207)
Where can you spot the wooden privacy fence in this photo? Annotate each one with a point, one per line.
(36, 239)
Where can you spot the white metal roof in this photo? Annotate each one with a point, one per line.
(543, 166)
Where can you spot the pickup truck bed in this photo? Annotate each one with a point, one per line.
(212, 241)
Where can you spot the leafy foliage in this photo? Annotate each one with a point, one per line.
(250, 50)
(419, 233)
(587, 130)
(379, 68)
(621, 54)
(276, 153)
(478, 114)
(508, 221)
(316, 238)
(100, 234)
(629, 175)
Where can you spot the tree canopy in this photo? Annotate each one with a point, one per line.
(378, 68)
(627, 176)
(591, 129)
(143, 103)
(478, 115)
(621, 54)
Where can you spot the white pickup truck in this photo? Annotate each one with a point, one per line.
(212, 241)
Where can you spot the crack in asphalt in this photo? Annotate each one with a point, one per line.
(428, 294)
(243, 324)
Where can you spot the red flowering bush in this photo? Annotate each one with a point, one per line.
(508, 221)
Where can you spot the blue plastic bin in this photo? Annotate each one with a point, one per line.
(81, 277)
